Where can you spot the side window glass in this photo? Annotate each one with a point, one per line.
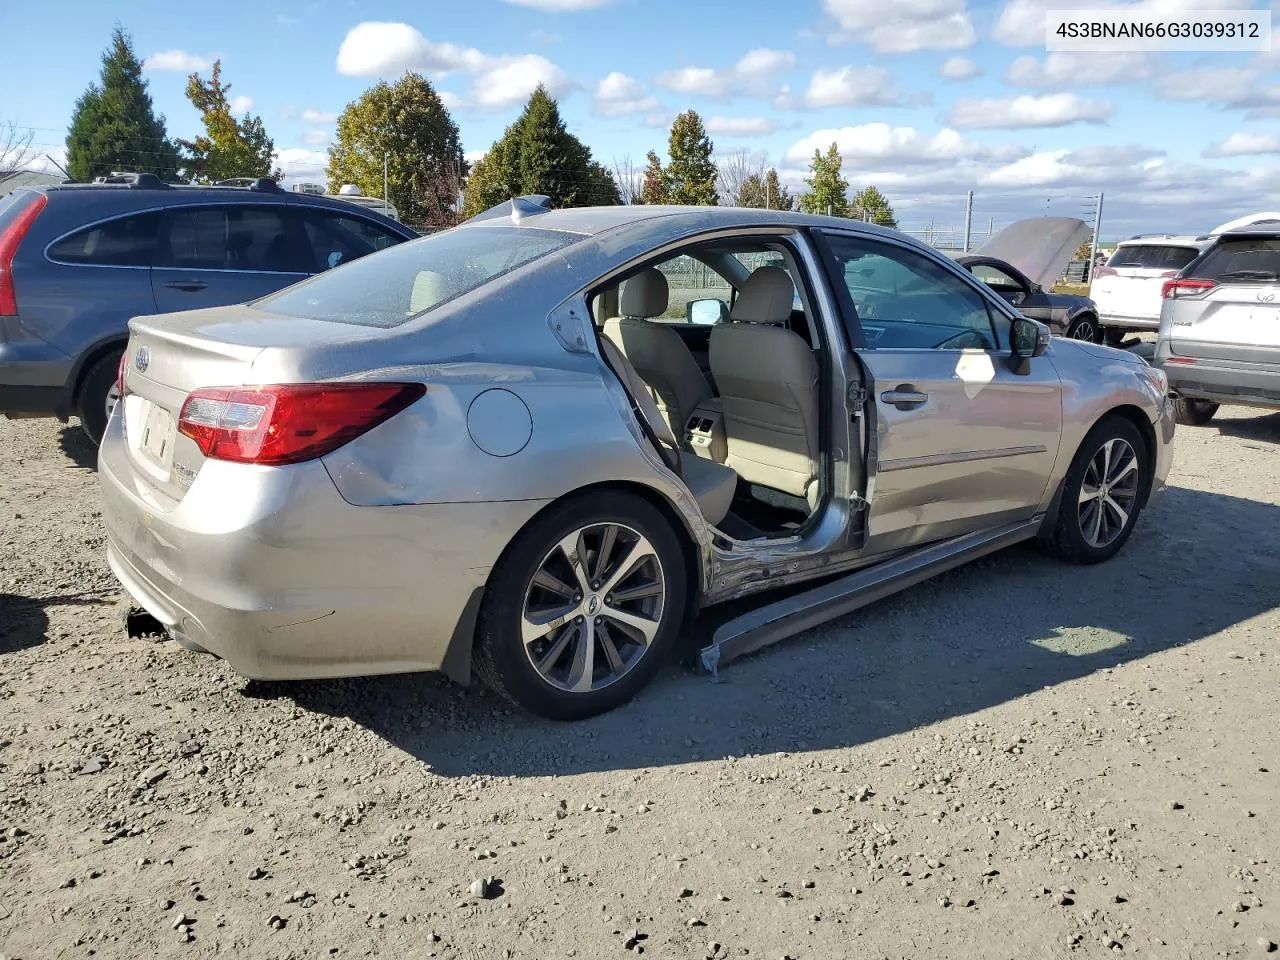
(905, 300)
(335, 239)
(231, 238)
(126, 242)
(692, 281)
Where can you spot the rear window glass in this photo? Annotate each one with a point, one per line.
(1241, 261)
(1153, 257)
(401, 282)
(13, 204)
(232, 238)
(127, 242)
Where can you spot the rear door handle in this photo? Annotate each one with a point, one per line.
(190, 286)
(904, 397)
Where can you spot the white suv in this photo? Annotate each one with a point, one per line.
(1219, 336)
(1127, 290)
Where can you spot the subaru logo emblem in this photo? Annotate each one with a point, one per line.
(1266, 296)
(593, 604)
(142, 359)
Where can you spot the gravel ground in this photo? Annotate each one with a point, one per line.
(1020, 759)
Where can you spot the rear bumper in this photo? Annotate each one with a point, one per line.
(1222, 380)
(270, 569)
(33, 374)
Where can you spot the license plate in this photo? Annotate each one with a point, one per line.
(157, 435)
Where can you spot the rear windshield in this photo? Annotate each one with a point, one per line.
(1152, 256)
(388, 288)
(1251, 260)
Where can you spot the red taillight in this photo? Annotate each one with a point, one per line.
(1104, 272)
(288, 423)
(1190, 287)
(10, 238)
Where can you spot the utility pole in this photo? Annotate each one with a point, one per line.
(968, 220)
(1097, 228)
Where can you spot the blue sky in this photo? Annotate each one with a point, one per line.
(926, 98)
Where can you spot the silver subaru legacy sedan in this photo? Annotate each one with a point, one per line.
(531, 447)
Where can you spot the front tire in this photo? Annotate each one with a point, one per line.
(1085, 327)
(1193, 413)
(583, 607)
(1102, 494)
(98, 396)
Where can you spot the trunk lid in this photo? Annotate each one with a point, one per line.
(1228, 317)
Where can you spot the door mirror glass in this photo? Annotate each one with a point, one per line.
(707, 313)
(1028, 339)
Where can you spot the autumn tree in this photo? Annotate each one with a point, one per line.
(229, 147)
(115, 126)
(690, 174)
(734, 170)
(537, 154)
(765, 192)
(652, 190)
(630, 180)
(828, 190)
(407, 125)
(869, 204)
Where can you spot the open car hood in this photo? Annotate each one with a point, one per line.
(1040, 247)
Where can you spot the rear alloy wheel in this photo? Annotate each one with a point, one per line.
(1085, 328)
(581, 610)
(1102, 494)
(1193, 413)
(99, 395)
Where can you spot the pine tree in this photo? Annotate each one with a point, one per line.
(407, 124)
(229, 147)
(115, 126)
(653, 192)
(690, 174)
(765, 192)
(828, 191)
(536, 154)
(869, 204)
(779, 197)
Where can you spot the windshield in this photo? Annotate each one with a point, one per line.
(1242, 260)
(388, 288)
(1152, 256)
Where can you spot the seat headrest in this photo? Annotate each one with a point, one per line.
(766, 297)
(644, 295)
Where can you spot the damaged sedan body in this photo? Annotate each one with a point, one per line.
(531, 447)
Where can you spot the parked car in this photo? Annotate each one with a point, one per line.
(476, 449)
(1024, 260)
(1127, 288)
(77, 261)
(1219, 339)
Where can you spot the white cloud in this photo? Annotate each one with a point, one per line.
(240, 105)
(1071, 69)
(752, 76)
(1022, 22)
(316, 138)
(376, 48)
(903, 26)
(618, 95)
(178, 60)
(1049, 110)
(474, 156)
(958, 68)
(310, 115)
(512, 81)
(1244, 144)
(301, 164)
(850, 86)
(451, 100)
(741, 126)
(560, 6)
(896, 146)
(1207, 83)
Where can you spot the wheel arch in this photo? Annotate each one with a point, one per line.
(87, 361)
(457, 664)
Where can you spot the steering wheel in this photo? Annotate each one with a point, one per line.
(963, 341)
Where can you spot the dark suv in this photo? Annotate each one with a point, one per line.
(77, 261)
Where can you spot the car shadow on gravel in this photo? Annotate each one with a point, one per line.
(1002, 628)
(1265, 428)
(23, 623)
(78, 448)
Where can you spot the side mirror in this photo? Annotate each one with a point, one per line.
(1027, 339)
(706, 313)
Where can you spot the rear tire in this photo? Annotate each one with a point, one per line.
(1102, 494)
(549, 624)
(1113, 336)
(1193, 413)
(1085, 327)
(97, 395)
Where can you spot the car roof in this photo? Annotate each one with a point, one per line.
(1263, 228)
(1163, 240)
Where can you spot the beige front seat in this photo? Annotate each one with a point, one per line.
(656, 351)
(768, 380)
(712, 484)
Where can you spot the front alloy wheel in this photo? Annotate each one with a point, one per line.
(1108, 492)
(1085, 328)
